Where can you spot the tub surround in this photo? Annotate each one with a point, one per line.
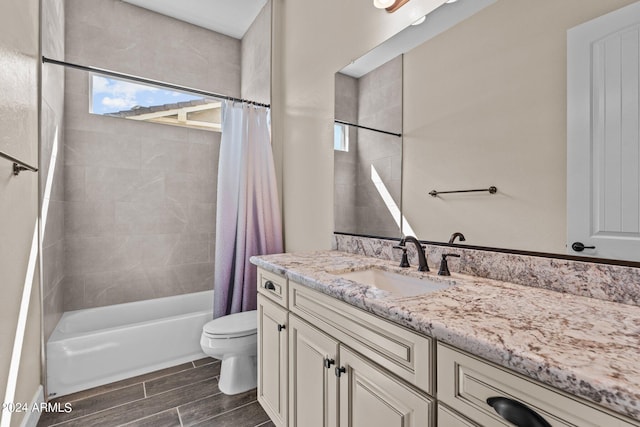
(607, 282)
(587, 347)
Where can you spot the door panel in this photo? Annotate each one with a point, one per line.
(370, 397)
(603, 146)
(313, 383)
(272, 360)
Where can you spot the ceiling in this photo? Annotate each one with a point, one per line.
(230, 17)
(438, 21)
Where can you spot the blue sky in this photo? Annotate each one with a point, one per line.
(111, 95)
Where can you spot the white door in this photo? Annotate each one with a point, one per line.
(603, 149)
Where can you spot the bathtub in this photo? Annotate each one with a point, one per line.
(97, 346)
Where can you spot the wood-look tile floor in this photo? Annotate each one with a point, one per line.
(180, 396)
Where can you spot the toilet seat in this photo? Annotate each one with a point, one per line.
(236, 325)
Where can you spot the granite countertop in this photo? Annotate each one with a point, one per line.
(584, 346)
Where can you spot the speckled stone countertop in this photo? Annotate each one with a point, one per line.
(584, 346)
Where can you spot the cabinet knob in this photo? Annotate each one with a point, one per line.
(328, 362)
(517, 413)
(269, 285)
(340, 370)
(281, 327)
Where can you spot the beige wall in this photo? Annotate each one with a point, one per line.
(255, 82)
(485, 104)
(313, 41)
(19, 49)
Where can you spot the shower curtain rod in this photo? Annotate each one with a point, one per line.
(46, 60)
(367, 128)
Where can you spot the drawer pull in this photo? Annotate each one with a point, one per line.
(516, 413)
(328, 362)
(281, 327)
(340, 370)
(269, 285)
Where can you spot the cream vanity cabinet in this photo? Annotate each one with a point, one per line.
(346, 367)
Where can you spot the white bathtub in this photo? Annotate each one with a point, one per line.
(100, 345)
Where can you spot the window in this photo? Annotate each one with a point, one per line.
(136, 101)
(340, 137)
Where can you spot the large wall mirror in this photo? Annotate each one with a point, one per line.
(484, 104)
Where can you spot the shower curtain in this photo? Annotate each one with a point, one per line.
(248, 212)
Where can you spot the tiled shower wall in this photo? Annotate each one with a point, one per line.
(52, 172)
(139, 197)
(376, 99)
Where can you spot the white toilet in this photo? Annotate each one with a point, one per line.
(234, 340)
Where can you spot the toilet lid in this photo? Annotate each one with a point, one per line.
(233, 325)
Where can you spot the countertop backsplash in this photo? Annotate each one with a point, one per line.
(602, 281)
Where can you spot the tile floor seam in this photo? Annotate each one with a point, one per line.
(198, 400)
(180, 416)
(131, 401)
(226, 412)
(125, 386)
(185, 385)
(144, 418)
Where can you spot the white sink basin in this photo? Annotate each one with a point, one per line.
(394, 283)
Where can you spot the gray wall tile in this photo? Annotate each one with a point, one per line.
(140, 198)
(52, 172)
(256, 58)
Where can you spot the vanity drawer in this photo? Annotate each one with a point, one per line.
(273, 286)
(399, 350)
(465, 383)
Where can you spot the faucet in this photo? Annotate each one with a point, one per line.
(457, 234)
(422, 259)
(444, 267)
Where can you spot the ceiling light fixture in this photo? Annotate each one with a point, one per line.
(383, 4)
(390, 5)
(420, 20)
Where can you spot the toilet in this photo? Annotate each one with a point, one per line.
(234, 340)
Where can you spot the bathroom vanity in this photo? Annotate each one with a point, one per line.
(334, 351)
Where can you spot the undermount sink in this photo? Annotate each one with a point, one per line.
(394, 283)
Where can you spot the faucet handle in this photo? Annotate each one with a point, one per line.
(404, 262)
(444, 266)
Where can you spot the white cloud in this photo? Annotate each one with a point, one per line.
(119, 93)
(120, 103)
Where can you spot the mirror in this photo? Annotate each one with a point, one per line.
(368, 150)
(485, 104)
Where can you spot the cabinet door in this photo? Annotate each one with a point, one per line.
(370, 397)
(313, 385)
(450, 418)
(272, 360)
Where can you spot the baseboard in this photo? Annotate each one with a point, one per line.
(32, 417)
